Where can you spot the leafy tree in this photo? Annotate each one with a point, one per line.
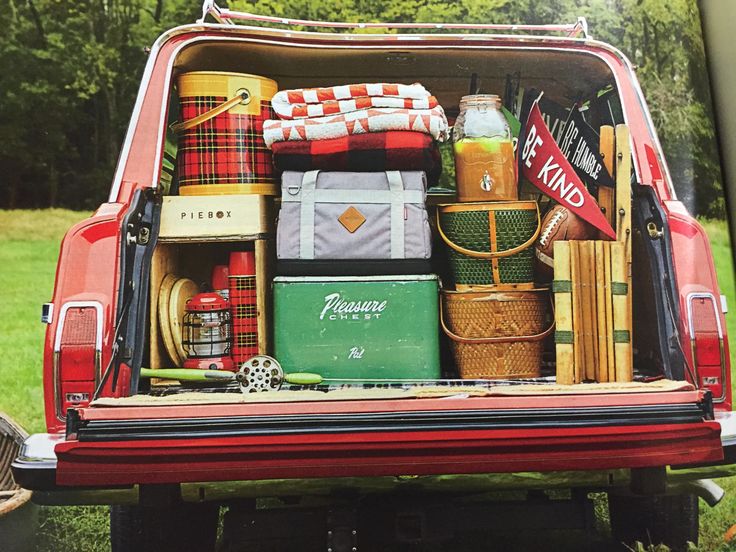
(69, 72)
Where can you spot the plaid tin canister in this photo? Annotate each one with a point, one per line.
(220, 145)
(243, 306)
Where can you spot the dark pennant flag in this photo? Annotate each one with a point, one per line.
(580, 145)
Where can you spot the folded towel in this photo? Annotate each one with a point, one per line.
(429, 121)
(319, 102)
(375, 151)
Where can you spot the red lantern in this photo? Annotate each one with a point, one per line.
(207, 333)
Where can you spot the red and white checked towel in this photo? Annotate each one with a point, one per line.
(379, 119)
(319, 102)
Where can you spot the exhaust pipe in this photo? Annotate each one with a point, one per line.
(706, 489)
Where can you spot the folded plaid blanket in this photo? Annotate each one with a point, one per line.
(429, 121)
(319, 102)
(375, 151)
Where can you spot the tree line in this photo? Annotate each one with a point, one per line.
(70, 70)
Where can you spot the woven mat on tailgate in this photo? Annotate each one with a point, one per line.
(355, 394)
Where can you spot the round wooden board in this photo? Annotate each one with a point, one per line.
(183, 290)
(164, 293)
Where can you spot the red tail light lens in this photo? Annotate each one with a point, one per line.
(707, 343)
(77, 351)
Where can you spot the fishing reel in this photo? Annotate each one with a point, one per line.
(260, 373)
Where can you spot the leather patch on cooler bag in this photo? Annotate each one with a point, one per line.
(353, 216)
(351, 219)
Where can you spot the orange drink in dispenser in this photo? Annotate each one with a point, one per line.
(484, 151)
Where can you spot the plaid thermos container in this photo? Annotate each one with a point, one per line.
(243, 306)
(220, 133)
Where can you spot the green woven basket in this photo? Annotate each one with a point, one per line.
(490, 242)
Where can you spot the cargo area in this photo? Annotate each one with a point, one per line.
(201, 232)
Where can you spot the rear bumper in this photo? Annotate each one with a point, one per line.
(105, 453)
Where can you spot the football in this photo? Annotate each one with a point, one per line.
(558, 224)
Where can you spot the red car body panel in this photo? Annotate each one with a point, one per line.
(695, 273)
(87, 273)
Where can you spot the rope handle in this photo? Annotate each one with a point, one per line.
(503, 339)
(489, 254)
(242, 97)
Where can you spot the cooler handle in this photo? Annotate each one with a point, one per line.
(242, 97)
(489, 254)
(503, 339)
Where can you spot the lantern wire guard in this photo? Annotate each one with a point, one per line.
(207, 333)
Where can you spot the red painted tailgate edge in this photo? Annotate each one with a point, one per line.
(384, 454)
(380, 452)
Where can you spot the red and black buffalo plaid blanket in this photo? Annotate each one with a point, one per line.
(372, 152)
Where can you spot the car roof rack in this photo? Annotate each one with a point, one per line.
(229, 17)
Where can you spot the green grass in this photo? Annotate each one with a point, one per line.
(29, 246)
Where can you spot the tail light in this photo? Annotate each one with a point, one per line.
(706, 343)
(77, 352)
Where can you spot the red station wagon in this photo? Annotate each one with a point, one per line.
(385, 473)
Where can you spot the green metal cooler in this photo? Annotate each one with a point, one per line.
(358, 327)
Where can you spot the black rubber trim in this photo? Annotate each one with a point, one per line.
(454, 420)
(347, 267)
(646, 208)
(34, 475)
(135, 268)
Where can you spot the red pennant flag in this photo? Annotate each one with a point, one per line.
(545, 166)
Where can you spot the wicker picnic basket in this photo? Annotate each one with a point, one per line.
(496, 334)
(490, 242)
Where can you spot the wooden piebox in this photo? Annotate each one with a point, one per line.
(198, 232)
(216, 217)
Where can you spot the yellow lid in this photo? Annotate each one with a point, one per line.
(258, 188)
(219, 83)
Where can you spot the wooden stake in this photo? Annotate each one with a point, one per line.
(621, 327)
(611, 362)
(600, 302)
(565, 354)
(623, 185)
(577, 313)
(605, 195)
(590, 325)
(623, 229)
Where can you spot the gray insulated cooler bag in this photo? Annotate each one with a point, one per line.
(353, 223)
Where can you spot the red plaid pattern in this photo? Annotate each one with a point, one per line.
(245, 345)
(227, 149)
(376, 151)
(243, 311)
(244, 316)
